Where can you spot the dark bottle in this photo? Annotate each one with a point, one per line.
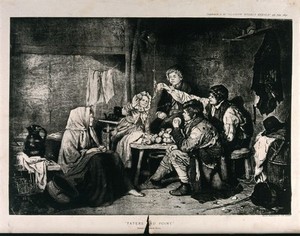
(35, 141)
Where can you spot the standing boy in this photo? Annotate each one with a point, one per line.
(167, 107)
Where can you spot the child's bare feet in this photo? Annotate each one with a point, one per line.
(135, 193)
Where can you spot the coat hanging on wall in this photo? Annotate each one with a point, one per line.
(267, 77)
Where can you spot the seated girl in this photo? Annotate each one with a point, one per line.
(98, 175)
(132, 127)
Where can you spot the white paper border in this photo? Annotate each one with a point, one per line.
(272, 9)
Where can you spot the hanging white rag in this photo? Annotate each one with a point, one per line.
(261, 148)
(108, 84)
(36, 165)
(92, 92)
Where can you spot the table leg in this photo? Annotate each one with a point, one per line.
(247, 168)
(107, 136)
(138, 168)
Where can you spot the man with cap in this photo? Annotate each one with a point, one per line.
(272, 156)
(198, 139)
(226, 117)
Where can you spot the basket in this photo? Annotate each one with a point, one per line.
(26, 186)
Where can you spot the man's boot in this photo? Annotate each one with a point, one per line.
(154, 182)
(182, 190)
(160, 173)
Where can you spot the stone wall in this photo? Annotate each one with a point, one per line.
(44, 88)
(50, 59)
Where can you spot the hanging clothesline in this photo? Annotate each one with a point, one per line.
(105, 68)
(100, 86)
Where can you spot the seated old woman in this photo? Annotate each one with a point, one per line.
(97, 175)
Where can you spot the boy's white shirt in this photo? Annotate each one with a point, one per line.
(231, 119)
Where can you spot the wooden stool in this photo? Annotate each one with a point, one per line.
(243, 153)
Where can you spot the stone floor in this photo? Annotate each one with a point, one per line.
(156, 202)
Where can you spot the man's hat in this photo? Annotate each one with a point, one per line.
(272, 124)
(219, 91)
(238, 101)
(195, 104)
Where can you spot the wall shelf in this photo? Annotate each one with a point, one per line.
(245, 36)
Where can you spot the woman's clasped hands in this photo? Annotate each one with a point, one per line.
(100, 148)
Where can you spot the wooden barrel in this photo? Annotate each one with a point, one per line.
(278, 165)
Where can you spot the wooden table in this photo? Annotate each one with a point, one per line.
(108, 124)
(142, 148)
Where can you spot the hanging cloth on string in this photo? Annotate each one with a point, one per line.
(92, 92)
(100, 87)
(107, 84)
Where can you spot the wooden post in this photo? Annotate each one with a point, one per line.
(135, 47)
(127, 94)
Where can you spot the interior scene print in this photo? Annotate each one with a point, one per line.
(150, 116)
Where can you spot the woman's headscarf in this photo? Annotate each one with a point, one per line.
(79, 119)
(77, 137)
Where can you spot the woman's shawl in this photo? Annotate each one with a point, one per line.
(125, 126)
(77, 139)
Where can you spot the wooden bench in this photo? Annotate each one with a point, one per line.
(243, 153)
